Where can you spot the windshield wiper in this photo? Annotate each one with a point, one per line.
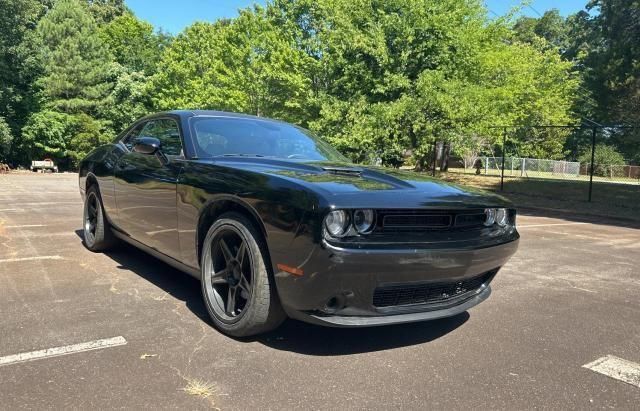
(239, 155)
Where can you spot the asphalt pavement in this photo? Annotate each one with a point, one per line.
(86, 330)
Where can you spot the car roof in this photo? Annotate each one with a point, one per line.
(216, 113)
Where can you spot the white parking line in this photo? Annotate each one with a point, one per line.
(8, 209)
(48, 203)
(168, 230)
(35, 258)
(47, 236)
(548, 225)
(25, 226)
(67, 349)
(616, 368)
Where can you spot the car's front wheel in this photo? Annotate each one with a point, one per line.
(96, 228)
(238, 291)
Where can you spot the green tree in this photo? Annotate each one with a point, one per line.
(133, 42)
(129, 98)
(17, 19)
(248, 65)
(405, 74)
(47, 133)
(5, 140)
(551, 26)
(605, 157)
(104, 11)
(75, 81)
(615, 65)
(75, 59)
(186, 76)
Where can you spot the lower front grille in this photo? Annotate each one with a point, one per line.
(428, 293)
(416, 221)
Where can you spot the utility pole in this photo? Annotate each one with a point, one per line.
(593, 158)
(504, 144)
(435, 157)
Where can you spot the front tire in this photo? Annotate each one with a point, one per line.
(238, 291)
(97, 231)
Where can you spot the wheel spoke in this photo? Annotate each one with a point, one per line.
(231, 300)
(220, 277)
(228, 279)
(244, 286)
(226, 253)
(242, 250)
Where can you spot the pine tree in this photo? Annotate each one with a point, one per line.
(17, 19)
(74, 86)
(75, 59)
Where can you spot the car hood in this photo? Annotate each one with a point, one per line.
(349, 185)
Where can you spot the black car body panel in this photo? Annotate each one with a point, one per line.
(164, 203)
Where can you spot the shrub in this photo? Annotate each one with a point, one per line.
(605, 157)
(5, 139)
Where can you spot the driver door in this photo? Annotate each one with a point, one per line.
(145, 188)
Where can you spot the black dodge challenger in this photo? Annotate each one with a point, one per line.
(275, 222)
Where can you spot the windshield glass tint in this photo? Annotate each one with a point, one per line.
(219, 136)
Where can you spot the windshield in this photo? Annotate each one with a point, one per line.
(231, 136)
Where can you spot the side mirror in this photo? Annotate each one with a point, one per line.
(146, 145)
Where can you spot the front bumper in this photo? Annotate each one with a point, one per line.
(338, 285)
(372, 321)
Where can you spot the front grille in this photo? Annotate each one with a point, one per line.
(428, 293)
(416, 221)
(422, 220)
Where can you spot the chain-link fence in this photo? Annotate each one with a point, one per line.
(529, 167)
(594, 168)
(558, 169)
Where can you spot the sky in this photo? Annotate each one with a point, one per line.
(173, 16)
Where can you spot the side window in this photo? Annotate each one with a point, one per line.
(135, 132)
(167, 132)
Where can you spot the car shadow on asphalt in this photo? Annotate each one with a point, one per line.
(309, 339)
(292, 335)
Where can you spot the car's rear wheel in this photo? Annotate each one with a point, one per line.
(237, 287)
(97, 231)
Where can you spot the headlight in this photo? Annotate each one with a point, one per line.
(363, 221)
(502, 217)
(489, 216)
(337, 223)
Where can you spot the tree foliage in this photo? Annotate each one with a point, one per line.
(381, 79)
(605, 157)
(104, 11)
(75, 60)
(408, 73)
(73, 86)
(133, 42)
(17, 21)
(5, 139)
(603, 44)
(248, 65)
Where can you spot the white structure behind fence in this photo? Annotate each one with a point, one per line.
(531, 167)
(560, 169)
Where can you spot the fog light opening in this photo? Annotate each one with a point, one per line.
(334, 304)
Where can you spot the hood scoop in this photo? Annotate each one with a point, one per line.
(345, 171)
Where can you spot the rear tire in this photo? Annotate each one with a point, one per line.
(97, 231)
(237, 287)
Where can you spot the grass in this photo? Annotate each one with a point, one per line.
(548, 175)
(199, 388)
(610, 200)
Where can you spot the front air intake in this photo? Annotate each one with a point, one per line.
(429, 293)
